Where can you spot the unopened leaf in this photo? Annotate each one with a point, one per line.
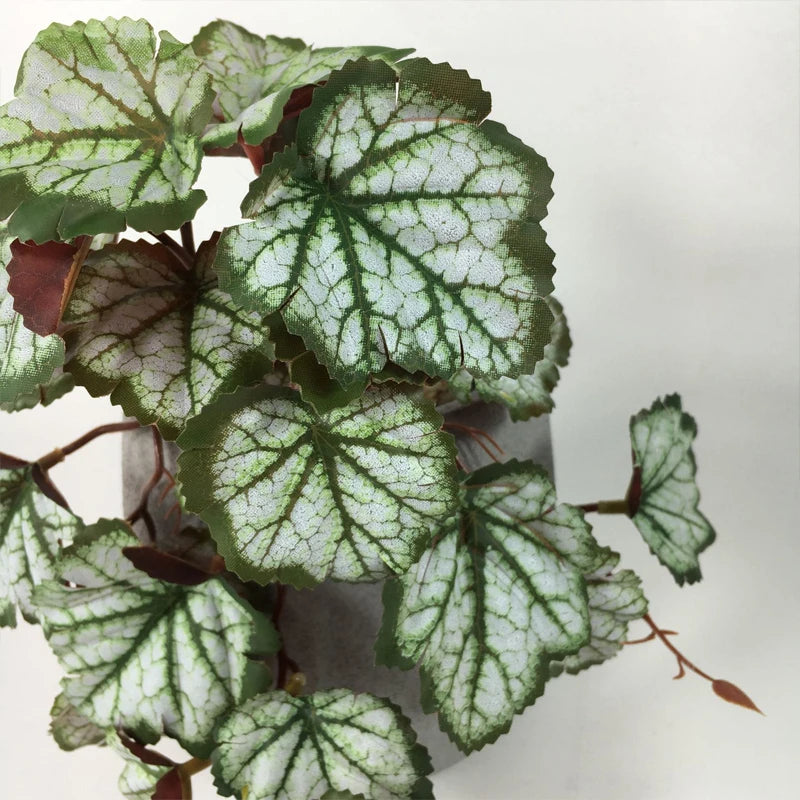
(104, 132)
(163, 339)
(499, 595)
(615, 599)
(306, 748)
(401, 228)
(27, 360)
(41, 278)
(664, 494)
(31, 527)
(529, 395)
(70, 728)
(148, 656)
(298, 496)
(733, 694)
(254, 77)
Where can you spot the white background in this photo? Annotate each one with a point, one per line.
(672, 129)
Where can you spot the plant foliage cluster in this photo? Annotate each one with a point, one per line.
(392, 255)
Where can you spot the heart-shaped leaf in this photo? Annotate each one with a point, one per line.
(401, 228)
(529, 395)
(161, 337)
(615, 599)
(663, 497)
(31, 527)
(294, 495)
(498, 595)
(255, 76)
(27, 360)
(104, 132)
(304, 748)
(148, 656)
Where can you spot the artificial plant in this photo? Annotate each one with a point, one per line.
(392, 257)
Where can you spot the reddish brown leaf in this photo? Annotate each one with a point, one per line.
(172, 786)
(145, 754)
(41, 279)
(733, 694)
(165, 566)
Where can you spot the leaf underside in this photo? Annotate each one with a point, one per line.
(296, 495)
(254, 77)
(667, 515)
(331, 742)
(103, 133)
(148, 656)
(70, 728)
(27, 360)
(498, 596)
(529, 395)
(31, 526)
(162, 339)
(400, 228)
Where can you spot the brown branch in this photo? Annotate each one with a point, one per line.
(180, 253)
(60, 453)
(606, 507)
(187, 238)
(722, 688)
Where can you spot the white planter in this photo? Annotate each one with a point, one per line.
(330, 630)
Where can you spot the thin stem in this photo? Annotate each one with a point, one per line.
(187, 238)
(477, 436)
(607, 507)
(60, 453)
(193, 766)
(682, 660)
(176, 249)
(284, 662)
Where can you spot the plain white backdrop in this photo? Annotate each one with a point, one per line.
(673, 132)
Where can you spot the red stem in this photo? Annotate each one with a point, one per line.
(60, 453)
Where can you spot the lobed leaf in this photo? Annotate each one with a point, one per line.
(298, 496)
(254, 77)
(498, 596)
(528, 395)
(401, 228)
(103, 133)
(32, 526)
(148, 656)
(664, 495)
(615, 599)
(161, 338)
(330, 744)
(27, 360)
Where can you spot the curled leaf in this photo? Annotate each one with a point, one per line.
(41, 277)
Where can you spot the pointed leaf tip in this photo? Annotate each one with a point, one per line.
(733, 694)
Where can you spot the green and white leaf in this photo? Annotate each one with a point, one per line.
(103, 133)
(150, 657)
(44, 394)
(615, 599)
(667, 515)
(254, 76)
(137, 780)
(529, 395)
(306, 748)
(298, 496)
(498, 596)
(70, 728)
(165, 341)
(400, 228)
(26, 359)
(31, 526)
